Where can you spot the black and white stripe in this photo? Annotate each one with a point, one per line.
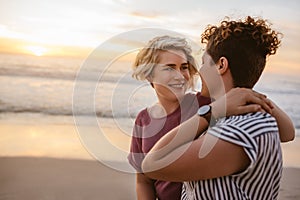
(258, 134)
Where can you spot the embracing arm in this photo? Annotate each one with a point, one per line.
(198, 160)
(144, 187)
(176, 156)
(285, 124)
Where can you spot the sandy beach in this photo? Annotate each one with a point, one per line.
(29, 178)
(45, 161)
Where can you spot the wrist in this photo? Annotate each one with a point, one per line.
(218, 109)
(206, 112)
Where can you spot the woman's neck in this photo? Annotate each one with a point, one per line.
(169, 106)
(163, 108)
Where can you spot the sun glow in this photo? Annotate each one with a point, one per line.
(36, 50)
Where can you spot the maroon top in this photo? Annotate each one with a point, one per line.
(147, 131)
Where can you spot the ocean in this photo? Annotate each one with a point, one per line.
(48, 87)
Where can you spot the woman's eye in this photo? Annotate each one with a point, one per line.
(169, 68)
(184, 67)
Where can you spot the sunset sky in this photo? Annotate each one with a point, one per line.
(71, 28)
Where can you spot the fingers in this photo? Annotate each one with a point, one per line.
(246, 100)
(250, 109)
(260, 95)
(266, 105)
(263, 103)
(242, 101)
(253, 97)
(259, 102)
(264, 98)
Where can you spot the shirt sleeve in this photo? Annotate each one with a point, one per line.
(136, 154)
(234, 134)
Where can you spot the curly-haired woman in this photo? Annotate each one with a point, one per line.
(239, 157)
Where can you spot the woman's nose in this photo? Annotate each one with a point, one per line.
(178, 75)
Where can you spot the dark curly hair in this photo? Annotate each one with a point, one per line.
(245, 44)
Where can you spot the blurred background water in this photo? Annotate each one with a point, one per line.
(45, 86)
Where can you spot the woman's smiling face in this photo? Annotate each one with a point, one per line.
(171, 75)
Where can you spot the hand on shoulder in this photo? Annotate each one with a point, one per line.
(239, 101)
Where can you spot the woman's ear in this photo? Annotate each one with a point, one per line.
(222, 65)
(150, 80)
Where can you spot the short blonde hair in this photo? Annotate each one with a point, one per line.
(148, 56)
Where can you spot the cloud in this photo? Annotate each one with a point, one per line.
(151, 14)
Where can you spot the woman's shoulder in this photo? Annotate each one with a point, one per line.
(153, 112)
(142, 117)
(156, 111)
(142, 114)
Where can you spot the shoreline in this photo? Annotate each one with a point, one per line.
(39, 135)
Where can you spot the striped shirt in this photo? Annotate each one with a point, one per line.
(258, 134)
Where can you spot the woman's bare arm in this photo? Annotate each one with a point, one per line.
(285, 124)
(144, 187)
